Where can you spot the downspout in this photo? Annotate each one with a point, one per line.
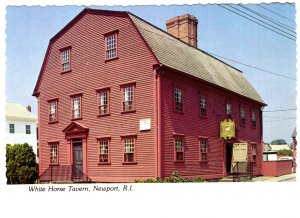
(157, 115)
(261, 137)
(39, 136)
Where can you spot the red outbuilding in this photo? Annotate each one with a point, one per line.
(121, 100)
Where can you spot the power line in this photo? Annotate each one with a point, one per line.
(290, 109)
(212, 54)
(257, 23)
(276, 13)
(260, 20)
(247, 65)
(269, 19)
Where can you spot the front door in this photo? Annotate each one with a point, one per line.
(228, 157)
(77, 159)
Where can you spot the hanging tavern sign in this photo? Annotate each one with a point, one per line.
(227, 129)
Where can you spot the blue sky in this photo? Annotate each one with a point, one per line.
(220, 32)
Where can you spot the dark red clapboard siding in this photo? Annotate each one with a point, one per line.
(192, 126)
(135, 64)
(90, 72)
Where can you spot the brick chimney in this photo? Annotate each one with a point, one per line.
(28, 107)
(184, 27)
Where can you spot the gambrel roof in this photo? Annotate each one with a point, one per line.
(180, 56)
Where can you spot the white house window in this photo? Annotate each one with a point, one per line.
(28, 129)
(65, 59)
(11, 128)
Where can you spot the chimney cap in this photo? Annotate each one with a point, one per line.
(182, 18)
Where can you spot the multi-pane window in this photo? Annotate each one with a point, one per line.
(111, 46)
(65, 59)
(11, 128)
(27, 128)
(253, 119)
(52, 111)
(76, 107)
(202, 105)
(254, 152)
(178, 100)
(54, 153)
(103, 156)
(229, 110)
(243, 116)
(128, 98)
(179, 148)
(129, 149)
(103, 102)
(203, 149)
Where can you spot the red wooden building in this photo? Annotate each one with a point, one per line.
(120, 99)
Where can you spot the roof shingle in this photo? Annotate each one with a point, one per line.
(178, 55)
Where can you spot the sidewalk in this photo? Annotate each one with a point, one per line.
(274, 179)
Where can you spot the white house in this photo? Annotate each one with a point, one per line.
(21, 125)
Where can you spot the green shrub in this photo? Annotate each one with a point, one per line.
(285, 152)
(21, 166)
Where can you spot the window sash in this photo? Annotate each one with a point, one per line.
(53, 154)
(52, 111)
(11, 128)
(243, 116)
(202, 105)
(228, 109)
(28, 129)
(178, 99)
(129, 149)
(76, 107)
(203, 149)
(128, 98)
(111, 46)
(254, 152)
(179, 148)
(103, 102)
(65, 59)
(104, 150)
(253, 119)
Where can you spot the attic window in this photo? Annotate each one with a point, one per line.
(111, 40)
(66, 59)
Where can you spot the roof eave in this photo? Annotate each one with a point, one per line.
(211, 84)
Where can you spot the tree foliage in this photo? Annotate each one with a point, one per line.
(278, 142)
(21, 166)
(285, 152)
